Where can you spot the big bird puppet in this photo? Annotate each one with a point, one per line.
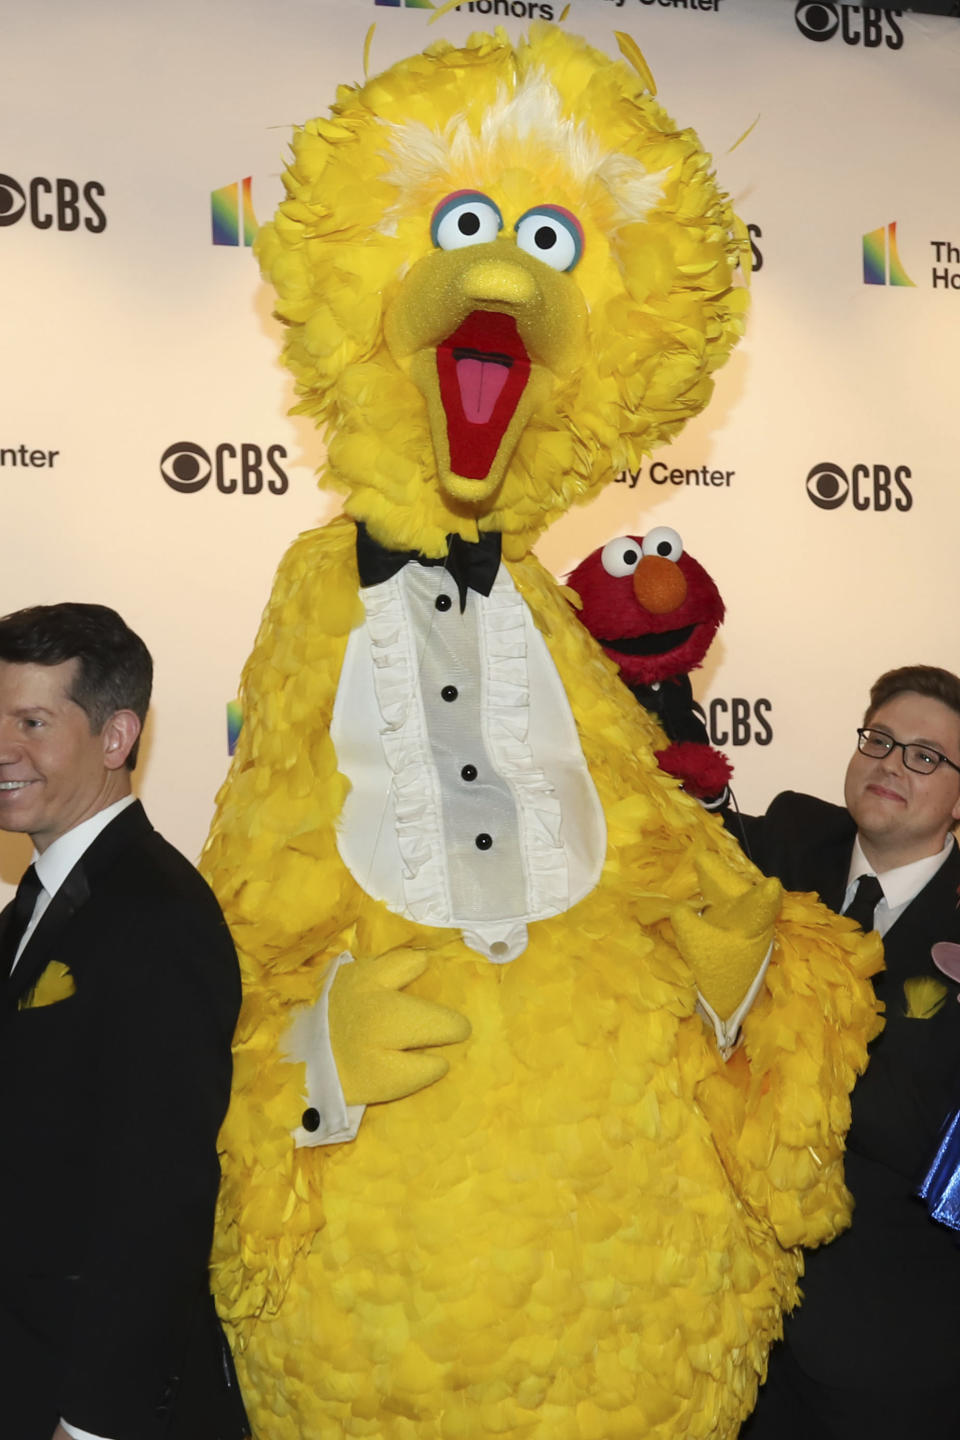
(465, 895)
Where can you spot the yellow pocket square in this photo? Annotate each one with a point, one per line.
(924, 997)
(56, 983)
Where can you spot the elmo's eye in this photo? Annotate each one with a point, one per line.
(621, 557)
(664, 542)
(465, 218)
(552, 234)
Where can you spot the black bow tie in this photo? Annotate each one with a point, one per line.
(472, 564)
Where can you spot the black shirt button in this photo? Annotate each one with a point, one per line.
(483, 841)
(449, 692)
(310, 1119)
(469, 772)
(443, 602)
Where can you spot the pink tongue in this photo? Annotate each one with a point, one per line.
(481, 382)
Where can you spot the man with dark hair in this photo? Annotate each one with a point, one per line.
(119, 992)
(872, 1351)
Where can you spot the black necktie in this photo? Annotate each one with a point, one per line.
(472, 564)
(864, 902)
(19, 918)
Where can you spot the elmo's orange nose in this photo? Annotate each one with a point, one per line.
(659, 584)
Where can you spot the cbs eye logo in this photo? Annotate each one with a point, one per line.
(866, 25)
(243, 469)
(869, 487)
(817, 22)
(13, 201)
(60, 204)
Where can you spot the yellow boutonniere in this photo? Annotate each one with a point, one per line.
(924, 996)
(56, 983)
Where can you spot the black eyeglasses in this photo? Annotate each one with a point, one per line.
(921, 759)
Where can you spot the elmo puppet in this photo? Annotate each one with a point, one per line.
(655, 611)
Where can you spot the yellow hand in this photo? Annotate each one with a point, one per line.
(379, 1036)
(726, 944)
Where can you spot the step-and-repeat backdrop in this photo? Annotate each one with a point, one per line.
(147, 459)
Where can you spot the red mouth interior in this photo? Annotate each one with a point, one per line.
(483, 368)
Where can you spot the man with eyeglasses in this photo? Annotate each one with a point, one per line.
(873, 1349)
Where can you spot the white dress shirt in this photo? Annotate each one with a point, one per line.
(470, 803)
(900, 886)
(59, 858)
(52, 868)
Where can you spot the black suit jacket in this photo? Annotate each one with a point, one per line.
(882, 1303)
(110, 1105)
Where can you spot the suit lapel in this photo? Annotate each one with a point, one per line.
(931, 916)
(832, 866)
(39, 950)
(72, 895)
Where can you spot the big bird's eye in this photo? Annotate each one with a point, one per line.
(663, 542)
(465, 218)
(552, 234)
(621, 557)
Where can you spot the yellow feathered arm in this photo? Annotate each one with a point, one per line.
(779, 1108)
(293, 907)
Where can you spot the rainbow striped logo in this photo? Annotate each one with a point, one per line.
(231, 210)
(881, 259)
(234, 724)
(407, 4)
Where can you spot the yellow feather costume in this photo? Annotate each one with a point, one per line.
(589, 1228)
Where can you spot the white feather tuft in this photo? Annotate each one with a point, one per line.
(418, 155)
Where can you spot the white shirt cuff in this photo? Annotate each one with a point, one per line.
(327, 1118)
(81, 1434)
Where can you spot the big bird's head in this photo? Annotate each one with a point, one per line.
(506, 274)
